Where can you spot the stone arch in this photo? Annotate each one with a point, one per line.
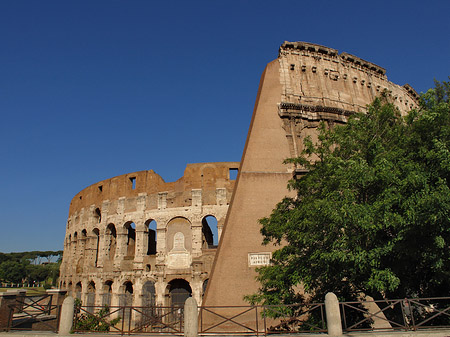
(130, 228)
(210, 236)
(151, 226)
(204, 286)
(70, 288)
(177, 291)
(126, 298)
(78, 290)
(75, 243)
(179, 225)
(148, 294)
(97, 215)
(107, 293)
(95, 243)
(90, 298)
(111, 240)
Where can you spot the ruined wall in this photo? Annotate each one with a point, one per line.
(308, 83)
(132, 238)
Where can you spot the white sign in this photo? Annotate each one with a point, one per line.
(259, 259)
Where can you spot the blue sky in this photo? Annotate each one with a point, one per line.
(94, 89)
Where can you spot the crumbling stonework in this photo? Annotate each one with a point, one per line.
(135, 239)
(305, 85)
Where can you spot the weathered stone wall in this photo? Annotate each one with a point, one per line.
(110, 251)
(305, 85)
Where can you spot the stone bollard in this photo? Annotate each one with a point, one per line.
(334, 324)
(66, 318)
(190, 318)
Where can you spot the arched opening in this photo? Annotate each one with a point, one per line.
(107, 291)
(70, 289)
(112, 240)
(179, 291)
(204, 286)
(78, 290)
(95, 244)
(75, 243)
(90, 300)
(148, 294)
(98, 215)
(152, 237)
(210, 232)
(126, 299)
(131, 238)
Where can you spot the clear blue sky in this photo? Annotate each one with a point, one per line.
(93, 89)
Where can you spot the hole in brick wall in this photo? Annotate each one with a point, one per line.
(210, 232)
(233, 173)
(152, 237)
(133, 182)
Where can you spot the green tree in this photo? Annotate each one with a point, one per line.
(12, 271)
(372, 215)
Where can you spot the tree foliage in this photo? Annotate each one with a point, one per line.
(28, 266)
(372, 215)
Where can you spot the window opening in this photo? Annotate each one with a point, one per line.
(210, 232)
(152, 237)
(133, 182)
(233, 173)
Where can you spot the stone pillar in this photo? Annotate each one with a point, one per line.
(66, 317)
(7, 299)
(140, 246)
(58, 297)
(196, 281)
(190, 318)
(197, 237)
(160, 286)
(121, 248)
(101, 250)
(334, 324)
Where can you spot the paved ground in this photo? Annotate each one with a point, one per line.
(423, 333)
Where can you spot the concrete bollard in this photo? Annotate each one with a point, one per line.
(66, 318)
(190, 318)
(334, 324)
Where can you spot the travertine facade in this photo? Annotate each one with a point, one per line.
(305, 85)
(135, 239)
(106, 259)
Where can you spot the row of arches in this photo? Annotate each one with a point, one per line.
(92, 242)
(176, 293)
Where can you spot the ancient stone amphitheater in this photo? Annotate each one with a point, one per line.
(135, 239)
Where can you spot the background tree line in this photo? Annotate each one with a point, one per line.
(30, 267)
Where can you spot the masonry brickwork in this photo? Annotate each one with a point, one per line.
(137, 240)
(107, 260)
(307, 84)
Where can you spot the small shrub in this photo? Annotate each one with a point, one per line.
(93, 321)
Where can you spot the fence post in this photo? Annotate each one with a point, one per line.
(66, 319)
(190, 318)
(334, 324)
(7, 300)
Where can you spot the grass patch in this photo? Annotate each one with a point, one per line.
(30, 290)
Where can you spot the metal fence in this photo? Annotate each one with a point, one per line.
(34, 313)
(388, 315)
(400, 314)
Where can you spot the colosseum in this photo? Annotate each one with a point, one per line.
(137, 240)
